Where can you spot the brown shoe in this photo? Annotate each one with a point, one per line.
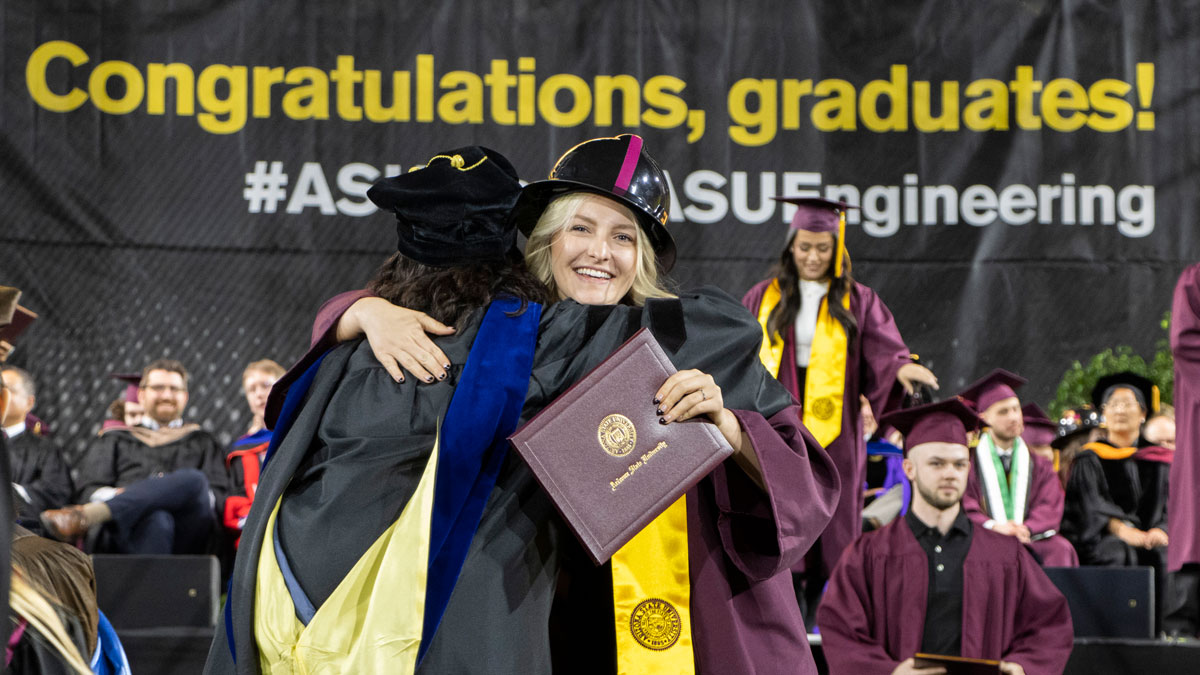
(65, 524)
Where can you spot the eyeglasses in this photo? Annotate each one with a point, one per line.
(165, 388)
(1121, 405)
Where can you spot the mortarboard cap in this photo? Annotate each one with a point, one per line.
(1143, 389)
(1075, 421)
(8, 304)
(618, 168)
(1039, 429)
(995, 386)
(132, 381)
(816, 214)
(946, 421)
(456, 210)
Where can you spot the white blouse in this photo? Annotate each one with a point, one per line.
(805, 327)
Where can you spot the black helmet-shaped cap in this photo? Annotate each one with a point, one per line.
(1075, 421)
(616, 168)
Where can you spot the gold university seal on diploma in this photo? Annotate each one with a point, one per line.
(617, 435)
(655, 624)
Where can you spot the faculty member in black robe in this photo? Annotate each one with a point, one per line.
(1116, 503)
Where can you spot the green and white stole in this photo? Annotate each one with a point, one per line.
(1005, 499)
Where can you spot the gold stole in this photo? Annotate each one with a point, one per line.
(652, 598)
(372, 621)
(1105, 451)
(825, 381)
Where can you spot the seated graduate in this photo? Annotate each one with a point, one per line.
(1039, 433)
(933, 582)
(1116, 503)
(1011, 490)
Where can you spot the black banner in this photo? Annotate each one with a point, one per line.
(188, 181)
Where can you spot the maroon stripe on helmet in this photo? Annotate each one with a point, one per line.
(632, 154)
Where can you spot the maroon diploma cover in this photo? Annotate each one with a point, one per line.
(601, 454)
(20, 321)
(957, 665)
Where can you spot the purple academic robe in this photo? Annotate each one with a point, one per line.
(742, 541)
(871, 366)
(873, 613)
(1183, 528)
(1043, 511)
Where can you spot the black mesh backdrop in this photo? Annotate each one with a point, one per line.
(132, 235)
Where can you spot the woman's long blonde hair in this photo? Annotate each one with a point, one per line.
(555, 219)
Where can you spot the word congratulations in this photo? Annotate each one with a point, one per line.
(228, 94)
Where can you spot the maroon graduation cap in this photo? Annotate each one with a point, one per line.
(8, 304)
(1039, 430)
(945, 421)
(817, 214)
(995, 386)
(132, 382)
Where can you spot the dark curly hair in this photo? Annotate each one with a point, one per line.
(451, 294)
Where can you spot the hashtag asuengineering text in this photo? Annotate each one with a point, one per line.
(228, 94)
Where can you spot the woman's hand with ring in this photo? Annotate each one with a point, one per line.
(691, 393)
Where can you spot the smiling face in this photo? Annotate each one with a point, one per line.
(594, 257)
(163, 395)
(813, 253)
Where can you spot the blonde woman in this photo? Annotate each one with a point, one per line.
(597, 239)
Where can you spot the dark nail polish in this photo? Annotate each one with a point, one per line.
(442, 376)
(657, 400)
(429, 379)
(446, 366)
(659, 411)
(662, 420)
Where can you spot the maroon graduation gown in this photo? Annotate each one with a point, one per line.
(742, 541)
(871, 366)
(873, 613)
(1184, 495)
(1043, 511)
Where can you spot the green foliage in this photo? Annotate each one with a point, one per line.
(1075, 388)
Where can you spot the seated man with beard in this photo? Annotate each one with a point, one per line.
(155, 488)
(932, 582)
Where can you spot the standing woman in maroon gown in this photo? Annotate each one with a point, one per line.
(1183, 555)
(829, 339)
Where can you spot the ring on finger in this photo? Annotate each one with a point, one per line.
(703, 395)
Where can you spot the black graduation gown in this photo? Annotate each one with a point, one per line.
(38, 466)
(358, 428)
(1130, 489)
(118, 458)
